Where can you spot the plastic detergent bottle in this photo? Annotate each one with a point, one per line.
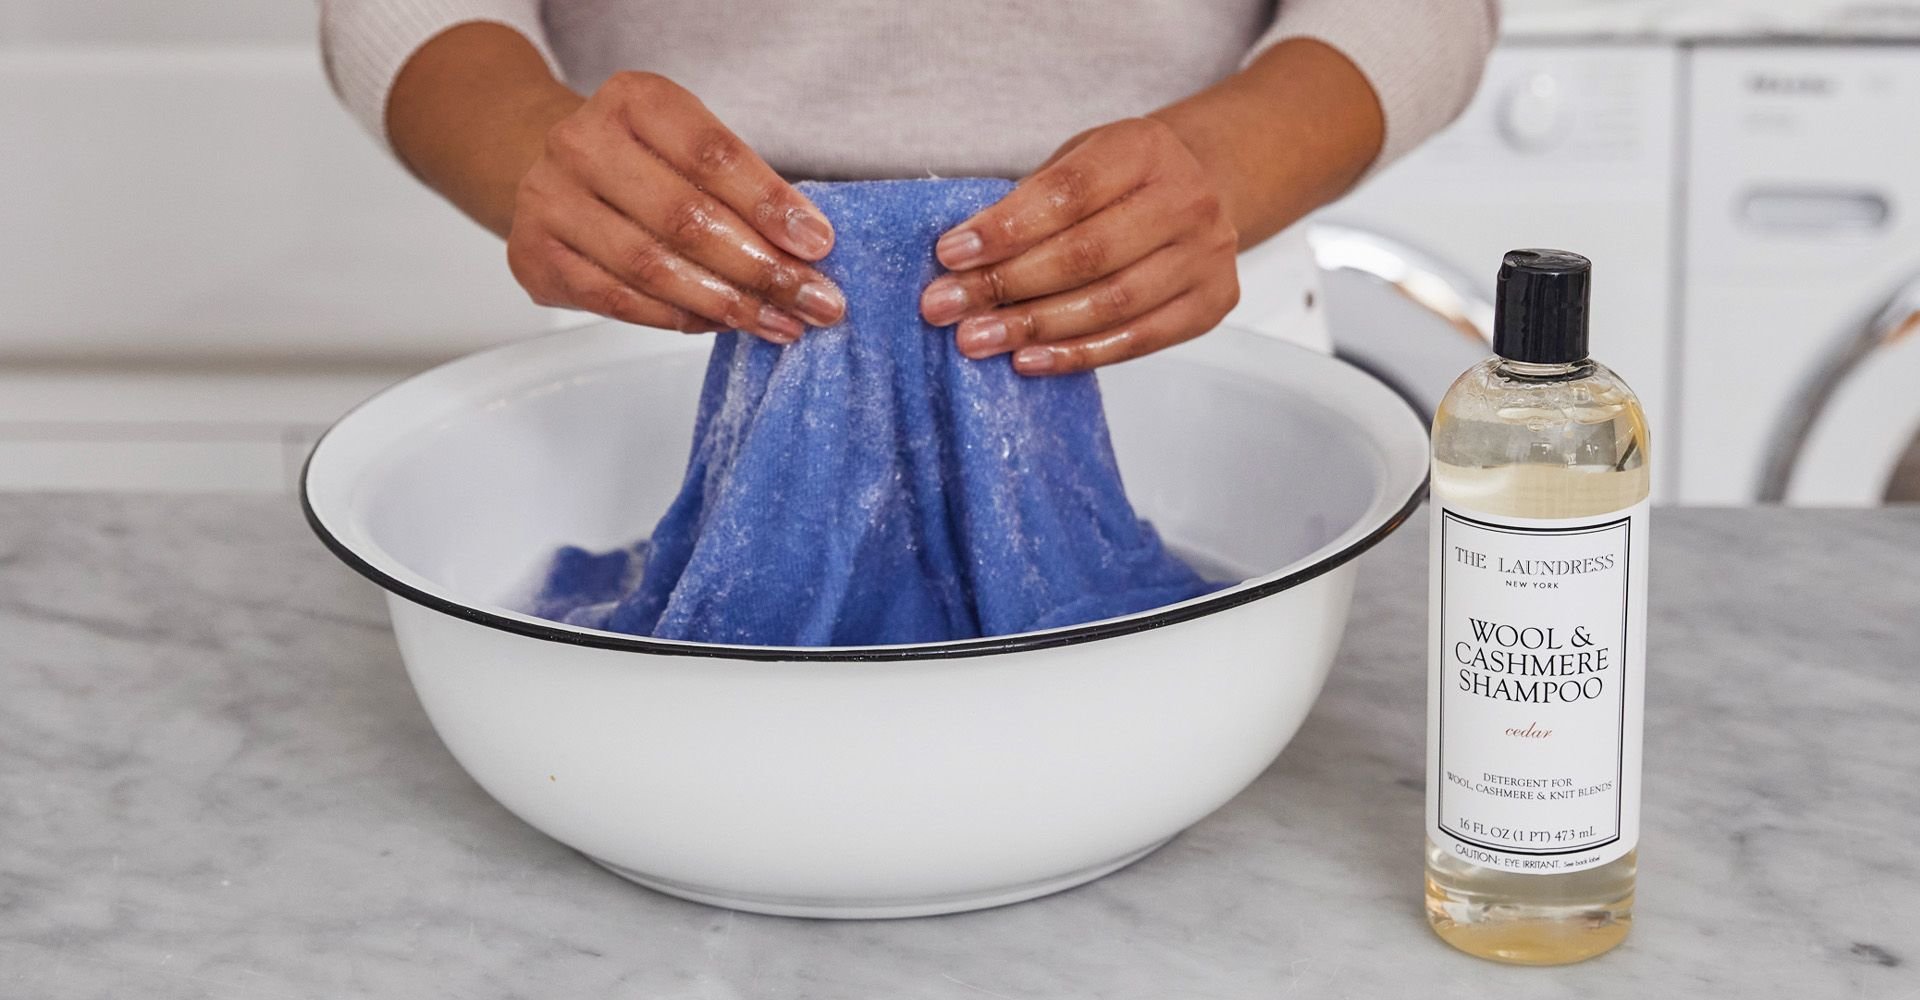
(1537, 634)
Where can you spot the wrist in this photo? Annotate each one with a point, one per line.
(516, 139)
(1293, 130)
(525, 118)
(469, 114)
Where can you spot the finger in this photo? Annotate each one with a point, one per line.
(639, 259)
(1183, 319)
(585, 285)
(1102, 305)
(1114, 238)
(676, 125)
(1088, 178)
(702, 229)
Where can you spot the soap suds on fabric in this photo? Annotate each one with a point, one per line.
(871, 485)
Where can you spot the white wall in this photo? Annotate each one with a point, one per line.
(192, 224)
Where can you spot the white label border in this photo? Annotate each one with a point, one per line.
(1624, 522)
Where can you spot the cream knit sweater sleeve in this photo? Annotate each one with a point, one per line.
(1423, 57)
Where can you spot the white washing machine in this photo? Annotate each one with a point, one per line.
(1566, 145)
(1801, 368)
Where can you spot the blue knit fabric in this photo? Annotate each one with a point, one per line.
(871, 485)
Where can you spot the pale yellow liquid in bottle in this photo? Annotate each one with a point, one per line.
(1543, 441)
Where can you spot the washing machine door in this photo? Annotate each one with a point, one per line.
(1851, 436)
(1398, 312)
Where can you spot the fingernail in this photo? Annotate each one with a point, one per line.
(959, 249)
(811, 235)
(944, 302)
(982, 336)
(784, 327)
(820, 303)
(1034, 360)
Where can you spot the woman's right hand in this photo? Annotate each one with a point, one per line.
(643, 207)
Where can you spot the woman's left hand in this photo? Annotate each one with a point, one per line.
(1118, 246)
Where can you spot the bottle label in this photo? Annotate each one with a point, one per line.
(1534, 693)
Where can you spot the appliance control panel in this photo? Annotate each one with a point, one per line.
(1581, 114)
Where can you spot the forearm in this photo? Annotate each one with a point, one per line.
(1290, 132)
(469, 113)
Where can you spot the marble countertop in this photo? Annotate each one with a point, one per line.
(1711, 20)
(215, 782)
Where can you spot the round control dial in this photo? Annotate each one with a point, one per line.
(1533, 113)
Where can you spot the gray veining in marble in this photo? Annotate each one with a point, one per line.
(216, 783)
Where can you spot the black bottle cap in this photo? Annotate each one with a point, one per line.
(1540, 307)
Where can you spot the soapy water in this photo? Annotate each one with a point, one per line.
(607, 577)
(870, 485)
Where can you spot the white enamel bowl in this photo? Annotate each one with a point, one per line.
(872, 781)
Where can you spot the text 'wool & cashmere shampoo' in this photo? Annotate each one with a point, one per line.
(1537, 634)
